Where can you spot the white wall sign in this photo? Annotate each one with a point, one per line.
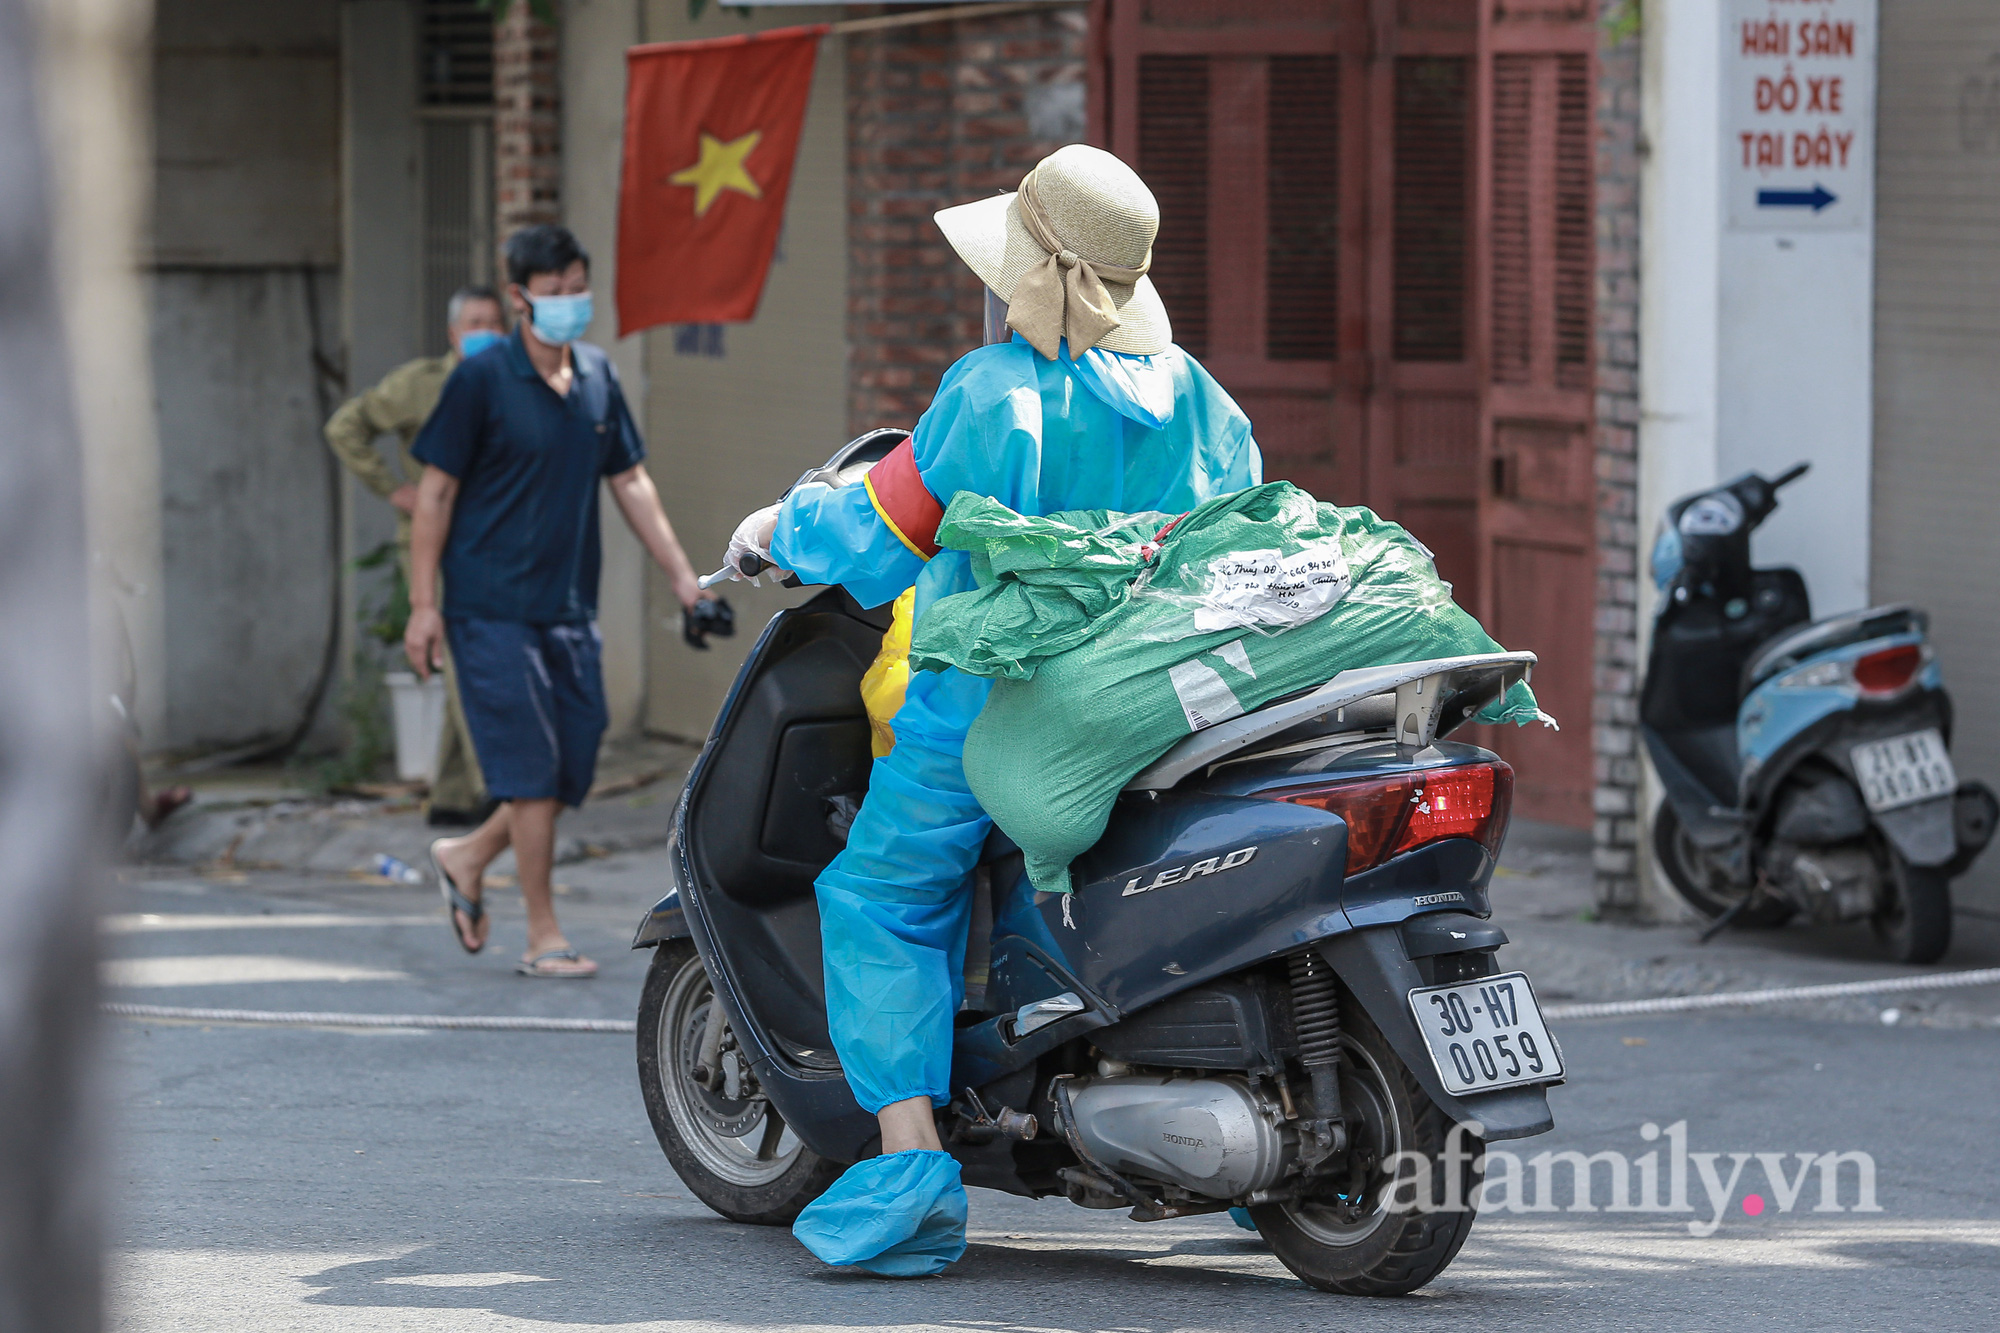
(1795, 263)
(1798, 114)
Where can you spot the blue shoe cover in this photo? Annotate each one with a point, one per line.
(899, 1215)
(1241, 1217)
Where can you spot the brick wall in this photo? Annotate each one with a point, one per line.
(527, 123)
(939, 114)
(1616, 706)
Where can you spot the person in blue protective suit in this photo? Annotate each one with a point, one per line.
(1080, 400)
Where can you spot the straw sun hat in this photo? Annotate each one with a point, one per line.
(1101, 220)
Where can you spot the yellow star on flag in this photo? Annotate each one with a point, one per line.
(720, 168)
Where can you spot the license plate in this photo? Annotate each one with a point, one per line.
(1487, 1034)
(1904, 770)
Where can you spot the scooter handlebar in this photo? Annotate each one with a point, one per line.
(749, 564)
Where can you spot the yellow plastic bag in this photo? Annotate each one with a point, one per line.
(888, 676)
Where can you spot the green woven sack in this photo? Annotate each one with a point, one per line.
(1109, 637)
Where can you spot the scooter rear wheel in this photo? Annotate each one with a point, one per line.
(1360, 1243)
(1916, 924)
(735, 1154)
(1697, 883)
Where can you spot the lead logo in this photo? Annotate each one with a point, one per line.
(1182, 874)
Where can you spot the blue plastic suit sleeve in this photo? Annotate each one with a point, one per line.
(828, 535)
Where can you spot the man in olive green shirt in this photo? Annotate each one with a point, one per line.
(401, 404)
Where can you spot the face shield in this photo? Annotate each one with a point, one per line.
(996, 319)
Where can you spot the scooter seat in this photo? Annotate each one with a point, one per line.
(1795, 646)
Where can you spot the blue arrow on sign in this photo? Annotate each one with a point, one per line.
(1816, 198)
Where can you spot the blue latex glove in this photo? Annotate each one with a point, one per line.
(899, 1215)
(1241, 1217)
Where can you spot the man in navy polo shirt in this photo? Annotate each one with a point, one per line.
(507, 507)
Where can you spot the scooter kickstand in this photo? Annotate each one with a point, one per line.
(1717, 926)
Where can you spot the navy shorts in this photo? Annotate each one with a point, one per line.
(534, 702)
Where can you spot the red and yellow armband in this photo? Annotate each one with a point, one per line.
(900, 497)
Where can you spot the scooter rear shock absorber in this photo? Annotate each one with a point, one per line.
(1316, 1018)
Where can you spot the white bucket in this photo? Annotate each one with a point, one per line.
(418, 708)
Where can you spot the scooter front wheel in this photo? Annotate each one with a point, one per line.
(727, 1143)
(1697, 882)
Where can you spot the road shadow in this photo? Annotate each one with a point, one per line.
(709, 1272)
(712, 1272)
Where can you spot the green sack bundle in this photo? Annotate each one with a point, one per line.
(1109, 637)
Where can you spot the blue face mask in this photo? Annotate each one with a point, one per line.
(560, 319)
(474, 341)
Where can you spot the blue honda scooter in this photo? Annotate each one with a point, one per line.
(1275, 987)
(1807, 765)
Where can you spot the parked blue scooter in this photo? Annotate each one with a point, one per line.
(1807, 766)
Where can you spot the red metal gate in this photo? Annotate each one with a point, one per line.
(1377, 232)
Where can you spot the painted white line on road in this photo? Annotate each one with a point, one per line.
(460, 1279)
(235, 969)
(1678, 1004)
(284, 1018)
(509, 1023)
(134, 923)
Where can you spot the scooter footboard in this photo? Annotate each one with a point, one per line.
(1376, 967)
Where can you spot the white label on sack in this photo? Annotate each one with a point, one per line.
(1249, 589)
(1237, 656)
(1204, 696)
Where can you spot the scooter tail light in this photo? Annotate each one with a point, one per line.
(1375, 810)
(1386, 817)
(1461, 803)
(1888, 671)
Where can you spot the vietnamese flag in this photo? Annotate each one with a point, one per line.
(711, 131)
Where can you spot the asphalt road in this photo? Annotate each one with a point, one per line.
(286, 1178)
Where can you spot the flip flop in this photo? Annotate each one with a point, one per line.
(532, 967)
(454, 901)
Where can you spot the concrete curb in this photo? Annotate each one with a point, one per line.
(342, 836)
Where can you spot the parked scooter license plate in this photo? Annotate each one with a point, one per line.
(1487, 1034)
(1904, 770)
